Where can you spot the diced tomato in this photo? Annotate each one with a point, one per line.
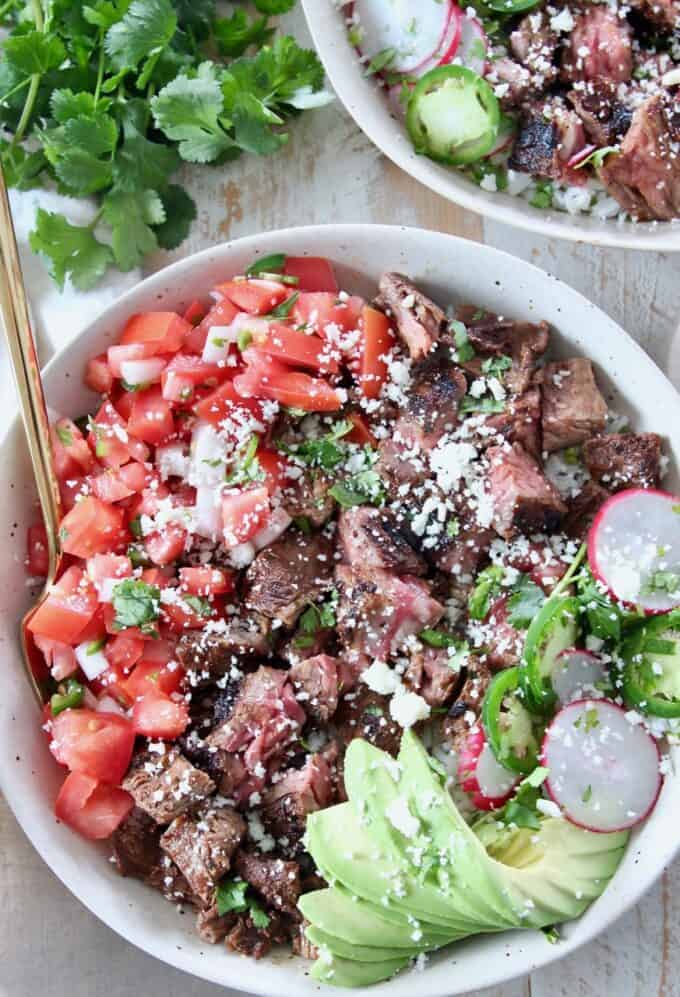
(110, 440)
(95, 629)
(164, 331)
(67, 609)
(257, 297)
(118, 483)
(180, 616)
(123, 401)
(151, 417)
(91, 808)
(194, 313)
(313, 272)
(37, 561)
(265, 377)
(104, 566)
(116, 355)
(205, 581)
(60, 658)
(244, 513)
(70, 491)
(275, 468)
(149, 500)
(223, 313)
(91, 527)
(96, 744)
(98, 376)
(72, 456)
(124, 651)
(157, 715)
(150, 676)
(377, 339)
(317, 310)
(184, 373)
(296, 348)
(225, 402)
(361, 433)
(160, 651)
(165, 546)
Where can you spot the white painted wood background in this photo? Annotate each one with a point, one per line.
(50, 945)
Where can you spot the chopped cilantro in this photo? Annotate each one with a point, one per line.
(552, 934)
(464, 349)
(136, 604)
(486, 404)
(231, 896)
(496, 366)
(64, 435)
(201, 607)
(525, 601)
(381, 60)
(303, 524)
(436, 638)
(486, 588)
(543, 195)
(453, 527)
(572, 456)
(135, 527)
(587, 794)
(661, 581)
(325, 452)
(285, 308)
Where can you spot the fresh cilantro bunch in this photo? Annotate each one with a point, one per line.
(107, 99)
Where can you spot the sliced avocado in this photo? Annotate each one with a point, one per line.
(363, 953)
(347, 973)
(359, 922)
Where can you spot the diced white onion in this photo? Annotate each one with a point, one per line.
(94, 663)
(142, 371)
(105, 587)
(278, 523)
(220, 338)
(207, 457)
(172, 460)
(207, 512)
(107, 704)
(242, 555)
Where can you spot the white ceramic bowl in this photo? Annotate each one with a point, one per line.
(367, 104)
(450, 269)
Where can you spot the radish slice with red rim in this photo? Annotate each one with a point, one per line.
(449, 44)
(603, 770)
(482, 775)
(473, 45)
(507, 130)
(634, 548)
(414, 30)
(576, 672)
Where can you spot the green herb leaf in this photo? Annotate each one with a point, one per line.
(485, 404)
(496, 366)
(525, 601)
(34, 52)
(64, 435)
(71, 250)
(326, 452)
(136, 604)
(436, 638)
(200, 606)
(258, 916)
(131, 217)
(464, 349)
(274, 7)
(285, 308)
(380, 61)
(142, 34)
(235, 34)
(187, 110)
(180, 211)
(231, 896)
(274, 263)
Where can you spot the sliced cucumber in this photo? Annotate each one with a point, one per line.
(453, 116)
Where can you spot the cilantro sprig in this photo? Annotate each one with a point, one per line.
(231, 895)
(106, 99)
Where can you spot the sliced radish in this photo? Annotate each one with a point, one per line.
(634, 548)
(480, 774)
(575, 673)
(603, 770)
(136, 372)
(415, 29)
(506, 134)
(448, 46)
(579, 156)
(473, 46)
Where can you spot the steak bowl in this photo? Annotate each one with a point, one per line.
(448, 268)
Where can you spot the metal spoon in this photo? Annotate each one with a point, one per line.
(18, 333)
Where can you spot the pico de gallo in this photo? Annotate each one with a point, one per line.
(297, 522)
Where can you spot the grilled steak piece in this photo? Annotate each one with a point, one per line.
(308, 498)
(166, 785)
(316, 681)
(285, 577)
(376, 538)
(523, 498)
(506, 644)
(276, 880)
(604, 117)
(550, 134)
(534, 44)
(514, 79)
(520, 422)
(377, 611)
(213, 927)
(599, 46)
(419, 321)
(247, 939)
(430, 675)
(136, 848)
(265, 719)
(366, 714)
(202, 846)
(402, 461)
(582, 509)
(210, 654)
(494, 336)
(302, 945)
(461, 556)
(624, 460)
(573, 407)
(664, 14)
(437, 386)
(299, 792)
(645, 176)
(466, 711)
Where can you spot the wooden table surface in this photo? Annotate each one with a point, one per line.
(49, 944)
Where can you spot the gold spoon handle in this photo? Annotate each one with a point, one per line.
(23, 357)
